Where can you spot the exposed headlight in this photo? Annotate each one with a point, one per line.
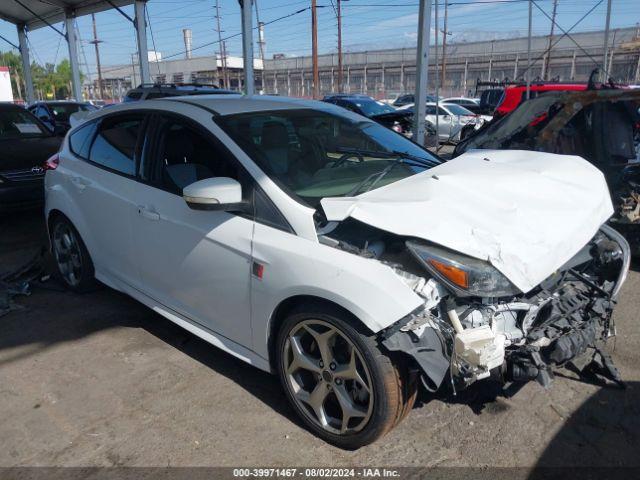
(466, 276)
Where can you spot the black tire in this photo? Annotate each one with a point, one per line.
(393, 392)
(83, 278)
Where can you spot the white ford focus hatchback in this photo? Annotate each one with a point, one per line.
(318, 245)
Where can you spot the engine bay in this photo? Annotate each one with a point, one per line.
(460, 337)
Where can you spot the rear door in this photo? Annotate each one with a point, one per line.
(101, 176)
(198, 263)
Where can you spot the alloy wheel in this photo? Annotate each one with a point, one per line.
(327, 377)
(67, 252)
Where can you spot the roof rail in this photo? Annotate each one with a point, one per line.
(173, 85)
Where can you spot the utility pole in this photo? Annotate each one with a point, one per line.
(491, 59)
(437, 27)
(422, 71)
(95, 42)
(528, 71)
(134, 84)
(314, 48)
(612, 50)
(339, 13)
(444, 44)
(247, 46)
(221, 48)
(261, 41)
(545, 73)
(606, 43)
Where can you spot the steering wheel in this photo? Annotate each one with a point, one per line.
(347, 157)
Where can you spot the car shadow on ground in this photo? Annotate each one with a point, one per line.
(54, 315)
(602, 432)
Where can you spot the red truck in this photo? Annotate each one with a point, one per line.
(515, 95)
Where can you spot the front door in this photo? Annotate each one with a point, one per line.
(198, 263)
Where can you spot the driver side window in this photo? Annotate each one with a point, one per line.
(183, 154)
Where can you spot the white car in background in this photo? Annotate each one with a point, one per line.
(450, 121)
(316, 244)
(471, 104)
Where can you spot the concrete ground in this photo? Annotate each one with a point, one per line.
(100, 380)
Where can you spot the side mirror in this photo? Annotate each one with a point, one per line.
(218, 193)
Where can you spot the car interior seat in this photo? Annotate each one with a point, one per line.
(275, 145)
(180, 167)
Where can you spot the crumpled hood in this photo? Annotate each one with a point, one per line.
(527, 213)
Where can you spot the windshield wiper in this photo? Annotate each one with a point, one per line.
(390, 154)
(377, 176)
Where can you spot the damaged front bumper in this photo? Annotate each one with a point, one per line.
(568, 318)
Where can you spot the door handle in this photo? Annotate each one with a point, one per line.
(148, 214)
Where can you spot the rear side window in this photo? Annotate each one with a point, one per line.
(80, 140)
(114, 146)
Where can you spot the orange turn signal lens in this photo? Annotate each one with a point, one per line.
(455, 275)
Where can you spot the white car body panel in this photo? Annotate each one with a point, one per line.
(526, 213)
(194, 267)
(294, 266)
(197, 262)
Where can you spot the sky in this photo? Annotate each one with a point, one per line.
(367, 24)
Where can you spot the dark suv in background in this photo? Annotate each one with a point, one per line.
(56, 114)
(148, 91)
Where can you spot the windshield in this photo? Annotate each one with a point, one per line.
(314, 154)
(62, 111)
(16, 122)
(372, 107)
(457, 109)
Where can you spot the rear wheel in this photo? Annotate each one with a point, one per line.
(339, 381)
(73, 263)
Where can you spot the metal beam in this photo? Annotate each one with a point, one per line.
(26, 63)
(141, 37)
(73, 55)
(604, 73)
(422, 71)
(528, 72)
(247, 45)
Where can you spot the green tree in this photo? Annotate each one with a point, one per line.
(51, 81)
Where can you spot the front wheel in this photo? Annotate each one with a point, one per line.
(339, 381)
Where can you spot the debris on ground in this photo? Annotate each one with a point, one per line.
(18, 282)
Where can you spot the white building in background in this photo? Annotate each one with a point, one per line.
(6, 95)
(207, 69)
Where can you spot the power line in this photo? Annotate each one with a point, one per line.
(153, 40)
(565, 33)
(96, 43)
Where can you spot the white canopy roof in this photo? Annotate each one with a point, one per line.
(37, 13)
